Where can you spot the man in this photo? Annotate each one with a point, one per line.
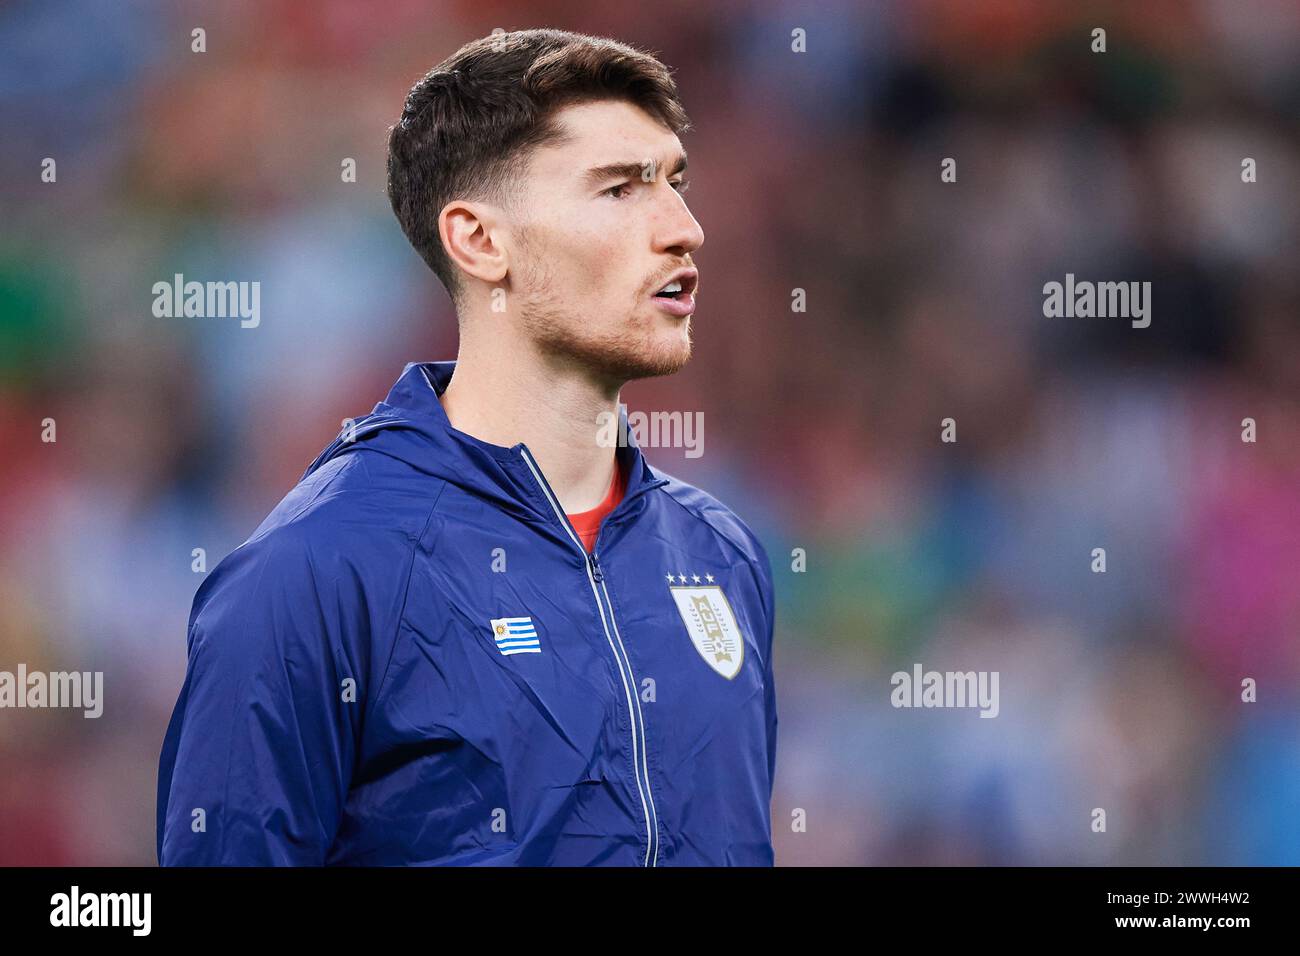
(417, 658)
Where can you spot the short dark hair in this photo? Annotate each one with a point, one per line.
(469, 124)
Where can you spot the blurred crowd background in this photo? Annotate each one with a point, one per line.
(816, 170)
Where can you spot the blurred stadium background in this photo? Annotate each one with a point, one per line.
(818, 171)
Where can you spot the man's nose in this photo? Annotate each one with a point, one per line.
(676, 230)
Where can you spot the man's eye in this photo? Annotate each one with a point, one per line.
(617, 192)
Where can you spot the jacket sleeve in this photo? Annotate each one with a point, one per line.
(257, 759)
(769, 676)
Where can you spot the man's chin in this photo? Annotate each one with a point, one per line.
(628, 366)
(662, 358)
(622, 360)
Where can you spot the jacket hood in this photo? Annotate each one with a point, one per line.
(411, 426)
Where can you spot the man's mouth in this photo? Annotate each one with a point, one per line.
(677, 295)
(683, 281)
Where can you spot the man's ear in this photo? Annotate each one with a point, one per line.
(469, 232)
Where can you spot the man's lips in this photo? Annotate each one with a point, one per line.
(688, 276)
(680, 303)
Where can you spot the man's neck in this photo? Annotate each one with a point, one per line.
(502, 399)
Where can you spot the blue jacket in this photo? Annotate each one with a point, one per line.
(414, 661)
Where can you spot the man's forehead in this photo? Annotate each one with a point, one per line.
(602, 133)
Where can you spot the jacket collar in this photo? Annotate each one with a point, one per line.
(410, 424)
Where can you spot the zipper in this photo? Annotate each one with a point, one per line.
(596, 577)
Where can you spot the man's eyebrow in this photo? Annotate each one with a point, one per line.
(628, 170)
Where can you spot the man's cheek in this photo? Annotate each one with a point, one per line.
(604, 275)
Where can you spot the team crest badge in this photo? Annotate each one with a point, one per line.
(712, 627)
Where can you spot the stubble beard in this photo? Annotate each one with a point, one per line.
(620, 354)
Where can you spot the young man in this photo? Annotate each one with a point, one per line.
(475, 633)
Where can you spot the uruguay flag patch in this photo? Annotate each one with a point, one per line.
(515, 635)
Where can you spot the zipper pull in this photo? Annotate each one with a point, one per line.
(595, 568)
